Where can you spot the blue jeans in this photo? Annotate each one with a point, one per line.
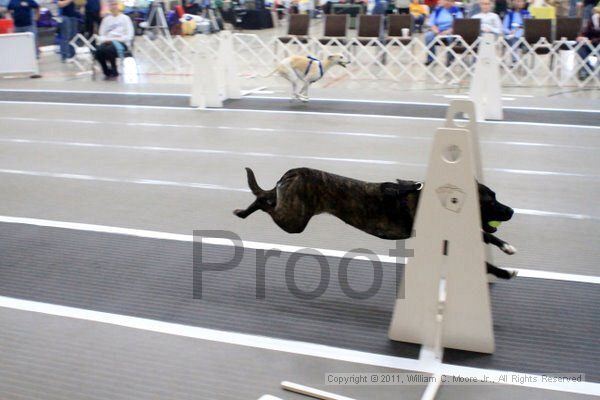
(32, 29)
(583, 52)
(68, 30)
(572, 8)
(431, 44)
(587, 13)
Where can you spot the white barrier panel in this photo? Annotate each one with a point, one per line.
(446, 299)
(215, 77)
(229, 61)
(486, 90)
(208, 86)
(19, 53)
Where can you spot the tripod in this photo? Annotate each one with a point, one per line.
(156, 19)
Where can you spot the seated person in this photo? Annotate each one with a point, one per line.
(490, 22)
(514, 21)
(591, 38)
(419, 13)
(114, 37)
(440, 22)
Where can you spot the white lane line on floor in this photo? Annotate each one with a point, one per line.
(293, 347)
(323, 114)
(418, 103)
(139, 181)
(93, 92)
(523, 273)
(199, 151)
(209, 186)
(427, 137)
(277, 155)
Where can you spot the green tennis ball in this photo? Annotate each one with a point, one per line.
(494, 224)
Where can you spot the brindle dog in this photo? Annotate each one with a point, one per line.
(386, 210)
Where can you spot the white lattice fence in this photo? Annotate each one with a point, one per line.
(398, 59)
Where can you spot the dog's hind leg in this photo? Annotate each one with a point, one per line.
(251, 208)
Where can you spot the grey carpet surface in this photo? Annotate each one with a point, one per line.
(540, 325)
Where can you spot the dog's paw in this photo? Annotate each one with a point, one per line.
(509, 249)
(239, 213)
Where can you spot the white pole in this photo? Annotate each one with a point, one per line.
(485, 89)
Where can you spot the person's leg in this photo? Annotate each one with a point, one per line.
(430, 43)
(111, 57)
(572, 8)
(419, 22)
(64, 30)
(101, 57)
(583, 52)
(74, 29)
(587, 13)
(450, 56)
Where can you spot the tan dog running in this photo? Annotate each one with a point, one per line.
(301, 71)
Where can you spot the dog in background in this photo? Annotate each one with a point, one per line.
(301, 71)
(386, 210)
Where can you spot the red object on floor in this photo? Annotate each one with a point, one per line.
(179, 10)
(7, 26)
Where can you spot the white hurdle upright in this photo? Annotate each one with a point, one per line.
(215, 77)
(486, 89)
(445, 300)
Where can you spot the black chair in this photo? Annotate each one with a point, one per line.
(336, 27)
(467, 28)
(535, 30)
(396, 24)
(369, 28)
(297, 28)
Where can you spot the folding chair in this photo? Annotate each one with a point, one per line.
(297, 28)
(538, 35)
(336, 27)
(369, 28)
(396, 24)
(468, 29)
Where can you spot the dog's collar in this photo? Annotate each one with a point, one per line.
(311, 60)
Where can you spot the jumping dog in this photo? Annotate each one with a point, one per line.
(386, 210)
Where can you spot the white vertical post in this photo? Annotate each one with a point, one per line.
(232, 82)
(486, 85)
(446, 297)
(208, 87)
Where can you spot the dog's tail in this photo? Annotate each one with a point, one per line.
(256, 190)
(270, 74)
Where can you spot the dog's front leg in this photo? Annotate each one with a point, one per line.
(304, 91)
(501, 244)
(499, 272)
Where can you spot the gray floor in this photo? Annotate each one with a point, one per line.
(150, 169)
(62, 358)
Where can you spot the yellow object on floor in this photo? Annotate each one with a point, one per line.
(188, 27)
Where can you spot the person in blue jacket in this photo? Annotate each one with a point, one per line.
(25, 14)
(514, 21)
(440, 22)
